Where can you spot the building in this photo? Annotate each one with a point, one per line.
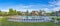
(23, 13)
(33, 13)
(57, 13)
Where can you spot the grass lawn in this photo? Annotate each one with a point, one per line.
(0, 19)
(29, 24)
(7, 23)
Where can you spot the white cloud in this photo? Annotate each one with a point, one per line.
(56, 5)
(21, 8)
(31, 7)
(5, 10)
(55, 2)
(56, 8)
(46, 9)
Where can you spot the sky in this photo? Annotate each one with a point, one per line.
(23, 5)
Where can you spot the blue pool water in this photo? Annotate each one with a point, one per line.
(31, 19)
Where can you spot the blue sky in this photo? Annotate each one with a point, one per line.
(23, 5)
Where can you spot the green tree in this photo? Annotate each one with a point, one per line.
(27, 13)
(0, 13)
(15, 12)
(4, 14)
(41, 11)
(11, 11)
(19, 13)
(52, 13)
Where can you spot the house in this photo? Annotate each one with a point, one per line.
(33, 13)
(43, 14)
(57, 13)
(23, 13)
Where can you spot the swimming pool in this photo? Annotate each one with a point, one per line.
(31, 19)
